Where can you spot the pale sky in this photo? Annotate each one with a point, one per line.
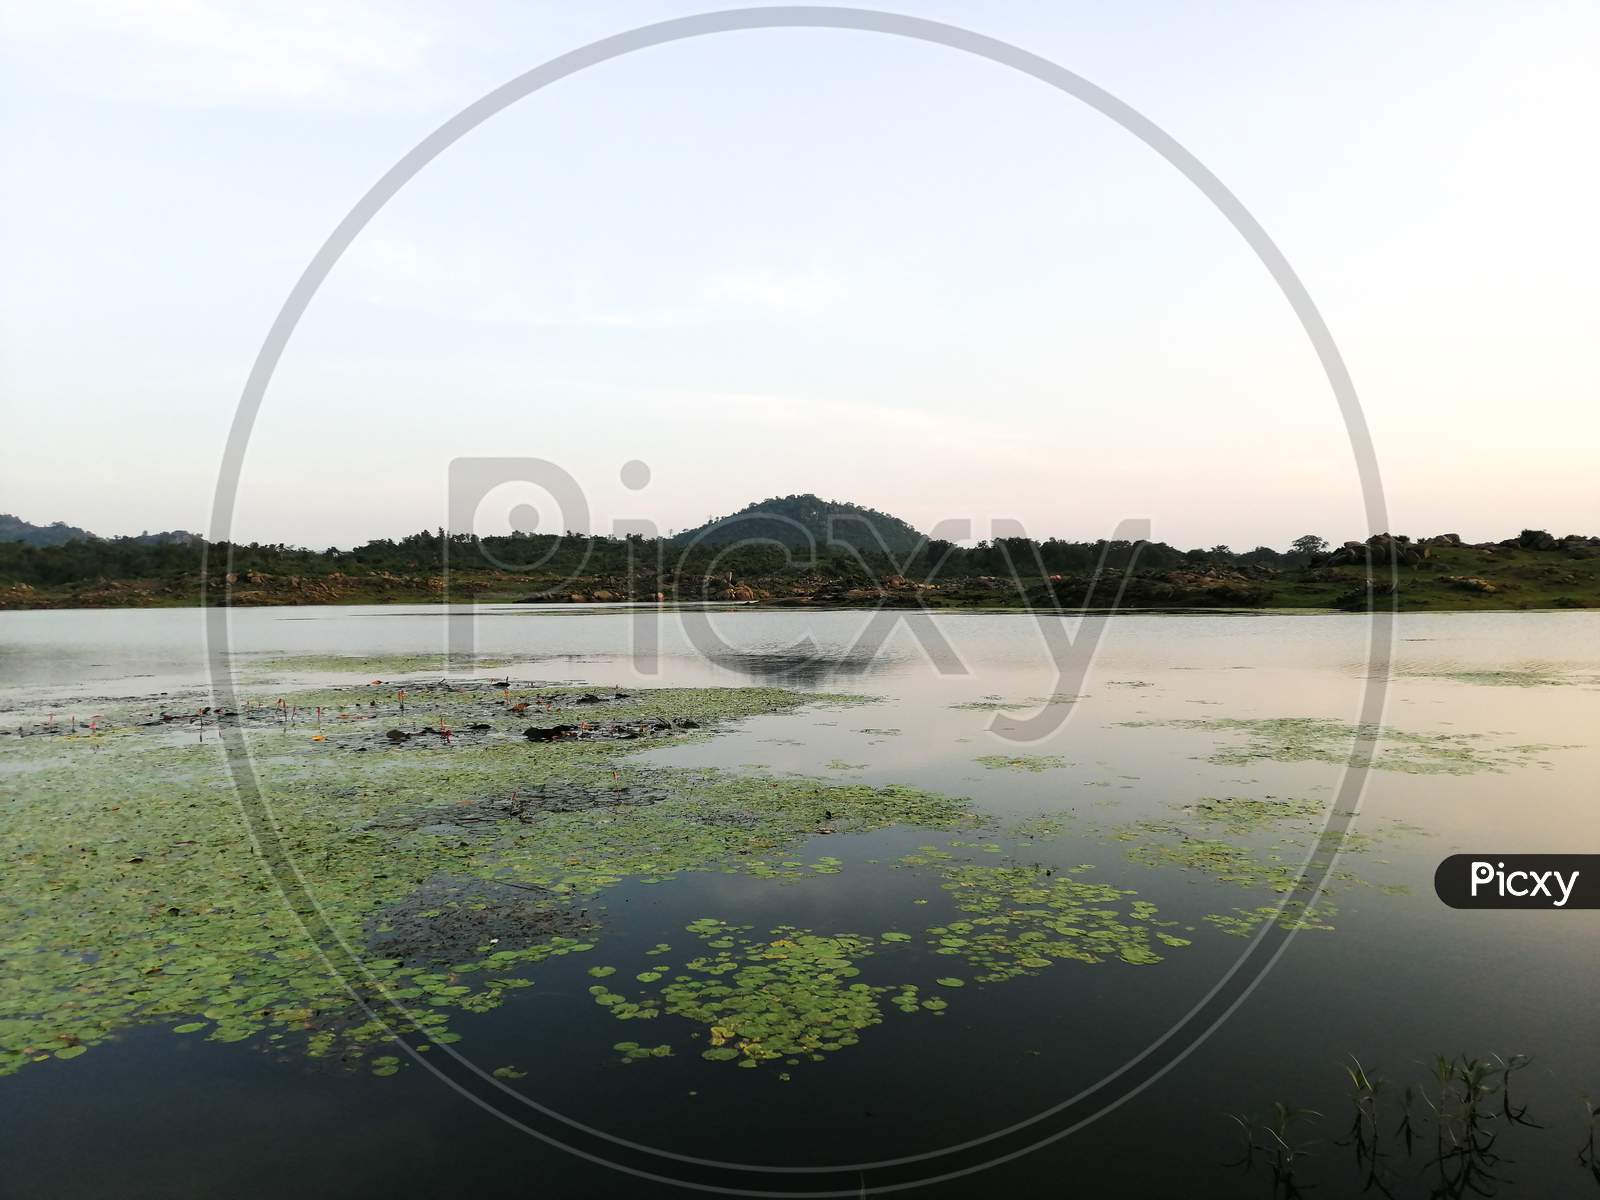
(803, 261)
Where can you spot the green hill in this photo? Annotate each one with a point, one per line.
(808, 520)
(59, 533)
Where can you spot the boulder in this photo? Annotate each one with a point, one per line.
(1382, 548)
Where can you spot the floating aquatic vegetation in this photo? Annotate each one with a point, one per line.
(993, 704)
(133, 895)
(1256, 843)
(795, 994)
(1001, 704)
(1294, 914)
(926, 854)
(1027, 918)
(1320, 739)
(1023, 762)
(838, 764)
(707, 820)
(632, 1051)
(1522, 678)
(447, 920)
(1221, 860)
(1249, 814)
(789, 996)
(1045, 826)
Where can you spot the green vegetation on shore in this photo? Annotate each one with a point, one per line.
(801, 551)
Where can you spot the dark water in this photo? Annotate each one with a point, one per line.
(1400, 979)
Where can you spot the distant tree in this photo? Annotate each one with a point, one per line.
(1221, 551)
(1261, 554)
(1309, 545)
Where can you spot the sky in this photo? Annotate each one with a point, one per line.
(802, 261)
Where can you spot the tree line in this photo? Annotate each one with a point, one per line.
(427, 552)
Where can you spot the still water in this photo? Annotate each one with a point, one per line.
(1170, 712)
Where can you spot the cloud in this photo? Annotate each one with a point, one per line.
(216, 52)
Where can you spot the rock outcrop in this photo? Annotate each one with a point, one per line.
(1381, 549)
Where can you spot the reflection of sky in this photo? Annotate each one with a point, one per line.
(1199, 667)
(1401, 978)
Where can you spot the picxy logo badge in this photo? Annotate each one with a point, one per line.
(1558, 881)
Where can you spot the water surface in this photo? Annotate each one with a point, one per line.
(1397, 979)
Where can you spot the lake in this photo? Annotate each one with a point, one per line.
(856, 926)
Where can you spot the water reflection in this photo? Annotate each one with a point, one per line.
(1133, 756)
(805, 666)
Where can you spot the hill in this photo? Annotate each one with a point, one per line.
(15, 529)
(59, 533)
(806, 520)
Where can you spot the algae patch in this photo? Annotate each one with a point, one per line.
(1026, 918)
(1526, 677)
(463, 856)
(795, 994)
(1022, 762)
(133, 894)
(1212, 838)
(1320, 739)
